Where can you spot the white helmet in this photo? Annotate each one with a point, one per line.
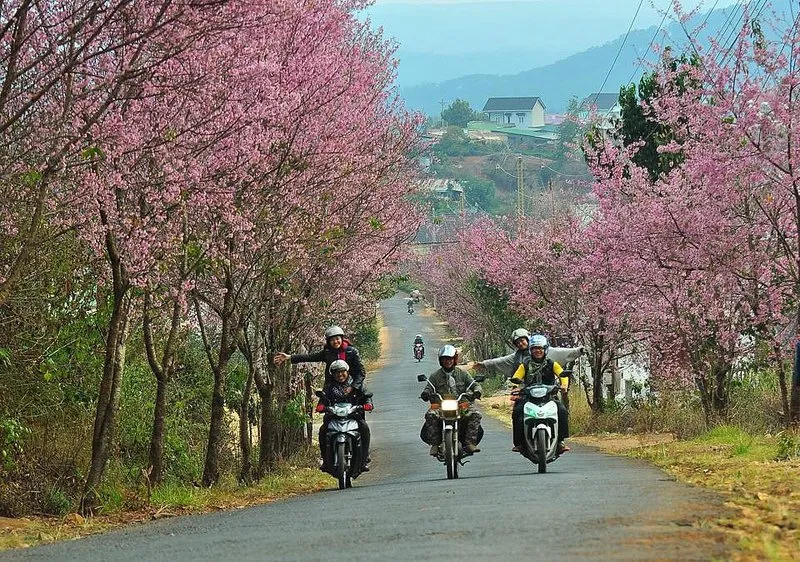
(339, 365)
(520, 333)
(539, 341)
(333, 331)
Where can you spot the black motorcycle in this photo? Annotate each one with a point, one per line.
(342, 439)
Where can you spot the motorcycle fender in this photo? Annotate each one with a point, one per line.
(341, 438)
(546, 428)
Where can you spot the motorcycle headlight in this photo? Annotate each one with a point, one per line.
(450, 405)
(538, 392)
(341, 409)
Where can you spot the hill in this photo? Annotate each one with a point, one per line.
(576, 75)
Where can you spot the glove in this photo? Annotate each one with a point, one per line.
(477, 395)
(367, 407)
(425, 396)
(320, 407)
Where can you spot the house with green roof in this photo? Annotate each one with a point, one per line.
(517, 112)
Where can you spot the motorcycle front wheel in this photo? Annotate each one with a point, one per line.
(449, 454)
(541, 451)
(341, 466)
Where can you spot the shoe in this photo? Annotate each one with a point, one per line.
(365, 468)
(434, 450)
(562, 448)
(471, 448)
(516, 449)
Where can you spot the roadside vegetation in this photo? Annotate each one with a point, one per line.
(165, 232)
(678, 276)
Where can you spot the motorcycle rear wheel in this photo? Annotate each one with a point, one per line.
(541, 451)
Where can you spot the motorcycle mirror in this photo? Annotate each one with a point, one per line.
(367, 395)
(319, 394)
(421, 378)
(479, 378)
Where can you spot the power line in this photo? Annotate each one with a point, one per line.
(619, 51)
(652, 40)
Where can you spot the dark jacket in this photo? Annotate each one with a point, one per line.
(440, 382)
(347, 391)
(328, 355)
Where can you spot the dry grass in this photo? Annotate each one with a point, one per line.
(763, 491)
(287, 482)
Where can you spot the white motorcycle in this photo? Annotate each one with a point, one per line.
(540, 421)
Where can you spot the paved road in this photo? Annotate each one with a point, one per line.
(589, 506)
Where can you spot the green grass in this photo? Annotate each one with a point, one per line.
(175, 495)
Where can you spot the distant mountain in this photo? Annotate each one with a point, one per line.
(577, 75)
(444, 39)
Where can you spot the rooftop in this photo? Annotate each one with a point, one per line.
(511, 104)
(603, 101)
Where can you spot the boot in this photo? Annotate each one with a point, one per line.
(434, 450)
(471, 448)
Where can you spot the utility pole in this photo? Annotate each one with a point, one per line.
(441, 114)
(520, 189)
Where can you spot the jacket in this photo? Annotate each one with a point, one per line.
(450, 385)
(336, 392)
(527, 373)
(328, 355)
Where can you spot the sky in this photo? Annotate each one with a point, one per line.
(573, 25)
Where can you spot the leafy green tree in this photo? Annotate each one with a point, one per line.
(459, 113)
(480, 193)
(638, 125)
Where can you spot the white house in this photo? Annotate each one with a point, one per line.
(516, 112)
(604, 105)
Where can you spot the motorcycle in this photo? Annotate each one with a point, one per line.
(450, 410)
(411, 308)
(540, 421)
(419, 351)
(342, 439)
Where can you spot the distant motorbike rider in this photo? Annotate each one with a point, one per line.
(418, 342)
(450, 380)
(342, 389)
(526, 374)
(410, 305)
(336, 347)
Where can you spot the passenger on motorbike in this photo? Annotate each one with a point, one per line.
(336, 347)
(341, 388)
(526, 374)
(507, 365)
(451, 380)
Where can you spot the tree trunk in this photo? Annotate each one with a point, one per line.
(780, 369)
(266, 451)
(216, 428)
(307, 380)
(245, 475)
(156, 457)
(108, 399)
(163, 374)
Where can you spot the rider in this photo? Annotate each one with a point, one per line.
(526, 374)
(410, 304)
(418, 341)
(342, 389)
(336, 347)
(508, 364)
(451, 380)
